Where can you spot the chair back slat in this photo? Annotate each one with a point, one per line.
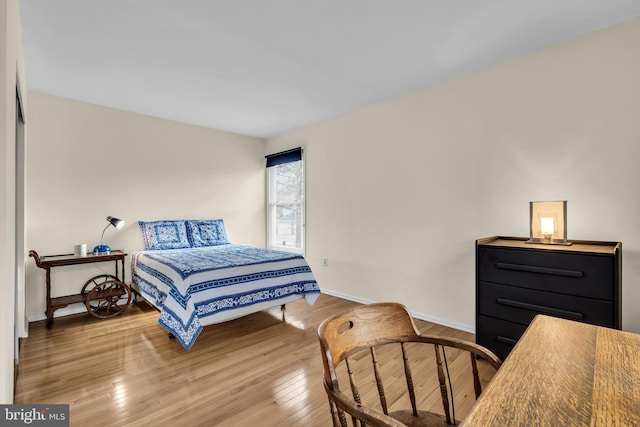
(352, 382)
(409, 378)
(477, 386)
(442, 380)
(335, 417)
(379, 383)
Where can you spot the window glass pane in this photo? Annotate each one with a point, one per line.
(288, 227)
(288, 182)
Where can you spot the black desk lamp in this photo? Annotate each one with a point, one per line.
(103, 249)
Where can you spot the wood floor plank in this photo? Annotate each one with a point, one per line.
(256, 370)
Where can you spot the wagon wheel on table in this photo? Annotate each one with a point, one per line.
(106, 296)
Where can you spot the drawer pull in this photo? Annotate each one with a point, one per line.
(506, 340)
(541, 308)
(535, 269)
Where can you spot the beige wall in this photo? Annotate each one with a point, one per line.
(11, 271)
(87, 162)
(399, 191)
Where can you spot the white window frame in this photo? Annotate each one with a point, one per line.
(271, 206)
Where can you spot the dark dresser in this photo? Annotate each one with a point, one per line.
(516, 280)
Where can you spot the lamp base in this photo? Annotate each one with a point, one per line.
(548, 242)
(102, 250)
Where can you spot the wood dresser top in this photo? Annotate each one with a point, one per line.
(565, 373)
(576, 245)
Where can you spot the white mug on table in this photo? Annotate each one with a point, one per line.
(80, 249)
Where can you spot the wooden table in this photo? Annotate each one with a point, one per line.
(564, 373)
(54, 303)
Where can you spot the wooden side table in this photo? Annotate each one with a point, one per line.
(104, 295)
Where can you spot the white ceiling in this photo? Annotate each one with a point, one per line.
(262, 67)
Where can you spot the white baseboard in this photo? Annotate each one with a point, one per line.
(67, 311)
(79, 308)
(421, 316)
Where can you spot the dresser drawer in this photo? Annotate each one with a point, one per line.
(498, 335)
(583, 274)
(520, 305)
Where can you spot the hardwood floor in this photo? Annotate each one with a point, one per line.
(251, 371)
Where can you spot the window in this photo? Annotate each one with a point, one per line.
(285, 201)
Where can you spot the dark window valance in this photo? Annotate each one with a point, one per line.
(283, 157)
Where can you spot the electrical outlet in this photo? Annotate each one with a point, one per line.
(325, 261)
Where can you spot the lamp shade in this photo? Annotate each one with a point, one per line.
(548, 223)
(116, 222)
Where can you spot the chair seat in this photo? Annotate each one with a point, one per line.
(423, 418)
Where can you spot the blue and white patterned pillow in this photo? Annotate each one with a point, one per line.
(167, 234)
(206, 232)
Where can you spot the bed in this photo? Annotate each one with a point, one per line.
(195, 277)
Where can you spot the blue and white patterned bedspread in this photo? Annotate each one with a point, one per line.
(193, 287)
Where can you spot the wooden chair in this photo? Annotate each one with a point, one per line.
(376, 341)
